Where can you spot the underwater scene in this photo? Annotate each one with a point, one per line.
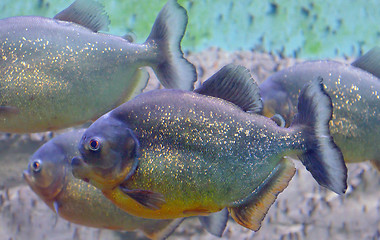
(208, 119)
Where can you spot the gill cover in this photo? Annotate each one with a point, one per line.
(109, 150)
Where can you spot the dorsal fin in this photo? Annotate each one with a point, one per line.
(235, 84)
(87, 13)
(369, 62)
(251, 213)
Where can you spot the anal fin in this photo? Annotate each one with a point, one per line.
(160, 229)
(140, 80)
(215, 223)
(252, 212)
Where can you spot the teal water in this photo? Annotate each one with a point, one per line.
(295, 28)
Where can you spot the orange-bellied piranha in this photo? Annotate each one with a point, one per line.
(173, 153)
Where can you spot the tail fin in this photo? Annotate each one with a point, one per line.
(323, 159)
(173, 70)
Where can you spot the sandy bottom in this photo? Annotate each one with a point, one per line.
(303, 211)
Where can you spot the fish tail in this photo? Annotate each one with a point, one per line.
(172, 69)
(322, 158)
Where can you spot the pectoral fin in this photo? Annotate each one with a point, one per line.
(56, 208)
(252, 212)
(146, 198)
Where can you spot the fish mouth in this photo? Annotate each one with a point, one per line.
(79, 168)
(92, 175)
(46, 193)
(27, 177)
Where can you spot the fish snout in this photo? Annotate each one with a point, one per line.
(79, 168)
(76, 161)
(26, 176)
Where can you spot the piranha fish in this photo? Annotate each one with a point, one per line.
(174, 153)
(355, 93)
(49, 175)
(60, 72)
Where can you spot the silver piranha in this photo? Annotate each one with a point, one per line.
(173, 153)
(49, 175)
(56, 73)
(355, 93)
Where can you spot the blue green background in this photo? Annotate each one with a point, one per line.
(292, 28)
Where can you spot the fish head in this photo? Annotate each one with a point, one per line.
(276, 101)
(108, 154)
(46, 171)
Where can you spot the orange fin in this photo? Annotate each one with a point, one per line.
(253, 212)
(376, 164)
(146, 198)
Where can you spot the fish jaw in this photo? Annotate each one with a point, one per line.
(83, 171)
(27, 177)
(98, 177)
(46, 193)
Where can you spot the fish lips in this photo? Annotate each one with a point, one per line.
(27, 177)
(90, 174)
(46, 193)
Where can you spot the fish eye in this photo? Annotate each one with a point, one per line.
(36, 166)
(94, 145)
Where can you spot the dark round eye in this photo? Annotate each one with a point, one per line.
(36, 166)
(94, 145)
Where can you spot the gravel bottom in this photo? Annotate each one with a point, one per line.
(303, 211)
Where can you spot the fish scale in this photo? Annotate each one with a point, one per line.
(173, 153)
(49, 67)
(355, 98)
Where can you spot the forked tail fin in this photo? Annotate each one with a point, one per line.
(322, 158)
(173, 70)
